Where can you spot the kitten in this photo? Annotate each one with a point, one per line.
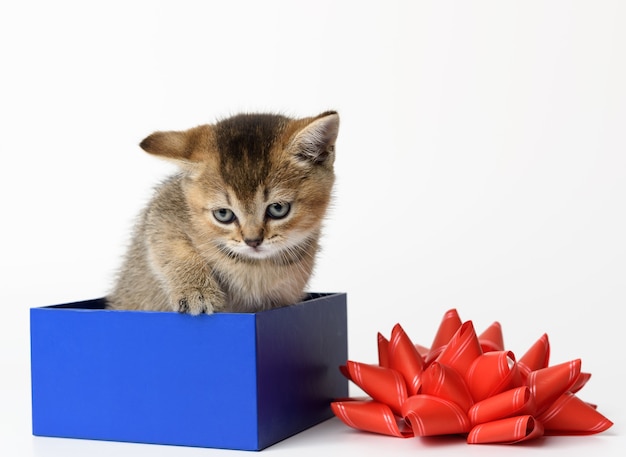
(237, 229)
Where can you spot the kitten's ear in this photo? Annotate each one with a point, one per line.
(186, 147)
(315, 142)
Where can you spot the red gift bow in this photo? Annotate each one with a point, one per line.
(470, 385)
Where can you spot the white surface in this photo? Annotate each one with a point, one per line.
(481, 166)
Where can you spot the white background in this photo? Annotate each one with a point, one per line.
(481, 166)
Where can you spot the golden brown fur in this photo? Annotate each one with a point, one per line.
(188, 255)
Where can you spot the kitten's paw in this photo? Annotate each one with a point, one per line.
(196, 301)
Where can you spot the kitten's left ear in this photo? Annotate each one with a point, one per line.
(185, 147)
(315, 142)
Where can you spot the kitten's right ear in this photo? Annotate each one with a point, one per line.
(315, 142)
(188, 146)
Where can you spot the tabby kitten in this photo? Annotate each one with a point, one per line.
(237, 229)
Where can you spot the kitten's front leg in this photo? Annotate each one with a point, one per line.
(191, 287)
(197, 300)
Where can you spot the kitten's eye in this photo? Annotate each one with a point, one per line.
(278, 210)
(224, 215)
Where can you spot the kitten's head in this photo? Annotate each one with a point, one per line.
(257, 185)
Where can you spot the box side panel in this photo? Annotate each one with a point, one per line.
(300, 349)
(144, 377)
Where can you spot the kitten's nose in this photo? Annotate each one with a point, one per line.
(254, 243)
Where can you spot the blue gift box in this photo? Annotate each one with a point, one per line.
(237, 381)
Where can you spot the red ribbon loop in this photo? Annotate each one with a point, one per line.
(382, 384)
(569, 415)
(371, 416)
(550, 383)
(536, 357)
(404, 358)
(462, 349)
(441, 381)
(583, 378)
(383, 351)
(429, 416)
(510, 430)
(514, 402)
(492, 373)
(450, 323)
(492, 339)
